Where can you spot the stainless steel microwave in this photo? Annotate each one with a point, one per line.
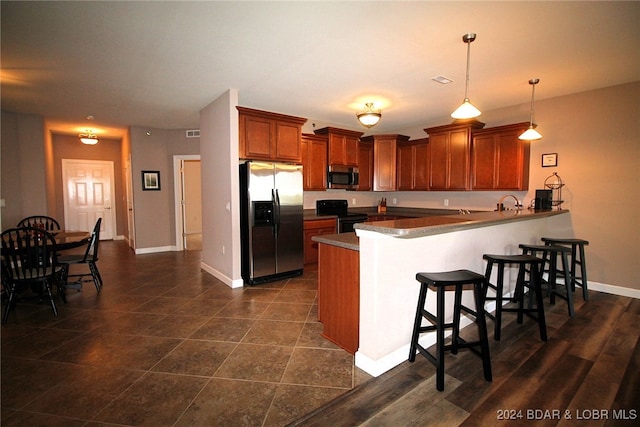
(343, 177)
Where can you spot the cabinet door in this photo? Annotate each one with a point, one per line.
(500, 159)
(421, 167)
(484, 162)
(459, 160)
(384, 157)
(257, 136)
(336, 151)
(351, 151)
(512, 171)
(365, 166)
(315, 228)
(439, 153)
(314, 161)
(288, 142)
(406, 167)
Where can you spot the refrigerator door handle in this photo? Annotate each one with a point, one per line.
(276, 210)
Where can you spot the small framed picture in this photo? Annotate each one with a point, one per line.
(151, 180)
(549, 160)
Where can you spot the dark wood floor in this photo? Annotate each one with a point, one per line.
(587, 373)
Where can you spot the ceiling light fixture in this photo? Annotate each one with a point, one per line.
(88, 138)
(531, 134)
(370, 116)
(466, 110)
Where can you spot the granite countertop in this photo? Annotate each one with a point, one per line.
(343, 240)
(310, 214)
(429, 225)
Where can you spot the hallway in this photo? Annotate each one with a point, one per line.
(167, 344)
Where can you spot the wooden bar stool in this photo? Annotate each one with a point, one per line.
(550, 255)
(441, 281)
(577, 258)
(525, 263)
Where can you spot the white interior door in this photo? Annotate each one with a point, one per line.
(88, 192)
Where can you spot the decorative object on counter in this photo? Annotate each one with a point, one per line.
(382, 205)
(88, 138)
(370, 116)
(554, 182)
(549, 160)
(467, 110)
(500, 205)
(543, 199)
(531, 134)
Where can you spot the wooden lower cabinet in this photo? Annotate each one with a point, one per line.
(315, 228)
(339, 296)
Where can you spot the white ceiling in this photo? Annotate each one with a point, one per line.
(157, 64)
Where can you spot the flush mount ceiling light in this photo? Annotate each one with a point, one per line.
(467, 110)
(88, 138)
(531, 134)
(369, 116)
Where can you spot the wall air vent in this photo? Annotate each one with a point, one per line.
(195, 133)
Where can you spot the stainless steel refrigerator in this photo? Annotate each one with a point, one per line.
(271, 207)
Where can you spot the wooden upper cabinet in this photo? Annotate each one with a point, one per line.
(450, 155)
(365, 165)
(385, 149)
(269, 136)
(342, 146)
(314, 162)
(500, 161)
(413, 165)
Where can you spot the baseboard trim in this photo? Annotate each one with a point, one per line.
(157, 249)
(612, 289)
(238, 283)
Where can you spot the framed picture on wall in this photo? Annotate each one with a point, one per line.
(549, 160)
(151, 180)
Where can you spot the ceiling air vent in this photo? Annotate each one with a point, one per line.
(195, 133)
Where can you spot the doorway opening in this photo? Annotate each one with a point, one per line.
(188, 202)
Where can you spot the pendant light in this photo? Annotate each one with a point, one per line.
(369, 117)
(531, 134)
(466, 110)
(88, 138)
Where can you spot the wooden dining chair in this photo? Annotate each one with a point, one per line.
(89, 258)
(28, 261)
(41, 221)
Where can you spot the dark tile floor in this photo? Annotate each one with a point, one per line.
(165, 343)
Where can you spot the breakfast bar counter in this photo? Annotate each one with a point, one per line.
(392, 252)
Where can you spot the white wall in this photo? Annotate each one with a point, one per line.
(220, 200)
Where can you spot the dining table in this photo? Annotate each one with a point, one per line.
(69, 239)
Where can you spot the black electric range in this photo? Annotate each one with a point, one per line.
(340, 208)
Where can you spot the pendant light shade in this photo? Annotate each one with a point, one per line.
(369, 117)
(88, 138)
(467, 110)
(531, 134)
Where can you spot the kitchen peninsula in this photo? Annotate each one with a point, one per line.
(390, 253)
